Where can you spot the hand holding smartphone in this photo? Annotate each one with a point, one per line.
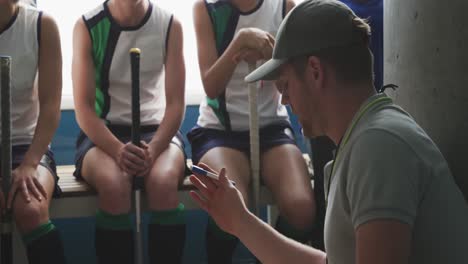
(201, 171)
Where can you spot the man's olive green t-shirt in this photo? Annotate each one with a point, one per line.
(389, 168)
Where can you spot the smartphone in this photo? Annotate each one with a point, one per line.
(201, 171)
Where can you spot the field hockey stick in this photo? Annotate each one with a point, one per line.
(6, 249)
(254, 143)
(138, 181)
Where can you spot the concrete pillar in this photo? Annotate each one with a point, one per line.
(426, 54)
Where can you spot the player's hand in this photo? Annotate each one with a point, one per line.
(220, 198)
(150, 158)
(132, 159)
(25, 181)
(249, 56)
(257, 40)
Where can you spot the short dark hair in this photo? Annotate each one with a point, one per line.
(352, 63)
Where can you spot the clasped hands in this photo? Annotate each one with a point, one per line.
(136, 160)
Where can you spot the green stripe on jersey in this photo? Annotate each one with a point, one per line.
(100, 36)
(221, 17)
(214, 104)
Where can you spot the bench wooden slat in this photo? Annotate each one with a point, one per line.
(71, 187)
(79, 199)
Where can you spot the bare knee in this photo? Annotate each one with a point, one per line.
(114, 195)
(111, 183)
(162, 186)
(29, 216)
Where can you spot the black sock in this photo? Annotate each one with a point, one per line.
(166, 238)
(114, 246)
(166, 243)
(47, 249)
(114, 239)
(220, 245)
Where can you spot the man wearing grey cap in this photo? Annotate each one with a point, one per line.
(390, 195)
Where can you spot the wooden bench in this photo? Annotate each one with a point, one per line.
(79, 199)
(71, 187)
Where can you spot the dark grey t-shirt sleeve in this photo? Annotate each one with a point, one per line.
(383, 179)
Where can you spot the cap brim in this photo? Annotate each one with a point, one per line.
(268, 71)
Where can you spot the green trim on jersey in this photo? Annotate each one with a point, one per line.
(214, 104)
(100, 36)
(224, 18)
(220, 17)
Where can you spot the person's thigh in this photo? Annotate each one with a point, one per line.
(236, 163)
(112, 184)
(47, 180)
(285, 173)
(164, 178)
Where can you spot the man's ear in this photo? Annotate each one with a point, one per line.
(316, 71)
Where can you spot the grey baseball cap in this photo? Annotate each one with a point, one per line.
(311, 26)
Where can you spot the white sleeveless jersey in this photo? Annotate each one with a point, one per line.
(20, 40)
(230, 111)
(110, 51)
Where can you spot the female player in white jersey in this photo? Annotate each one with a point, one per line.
(105, 158)
(230, 34)
(32, 40)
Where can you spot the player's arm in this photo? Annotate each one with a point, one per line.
(129, 157)
(84, 93)
(49, 90)
(217, 71)
(175, 91)
(49, 93)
